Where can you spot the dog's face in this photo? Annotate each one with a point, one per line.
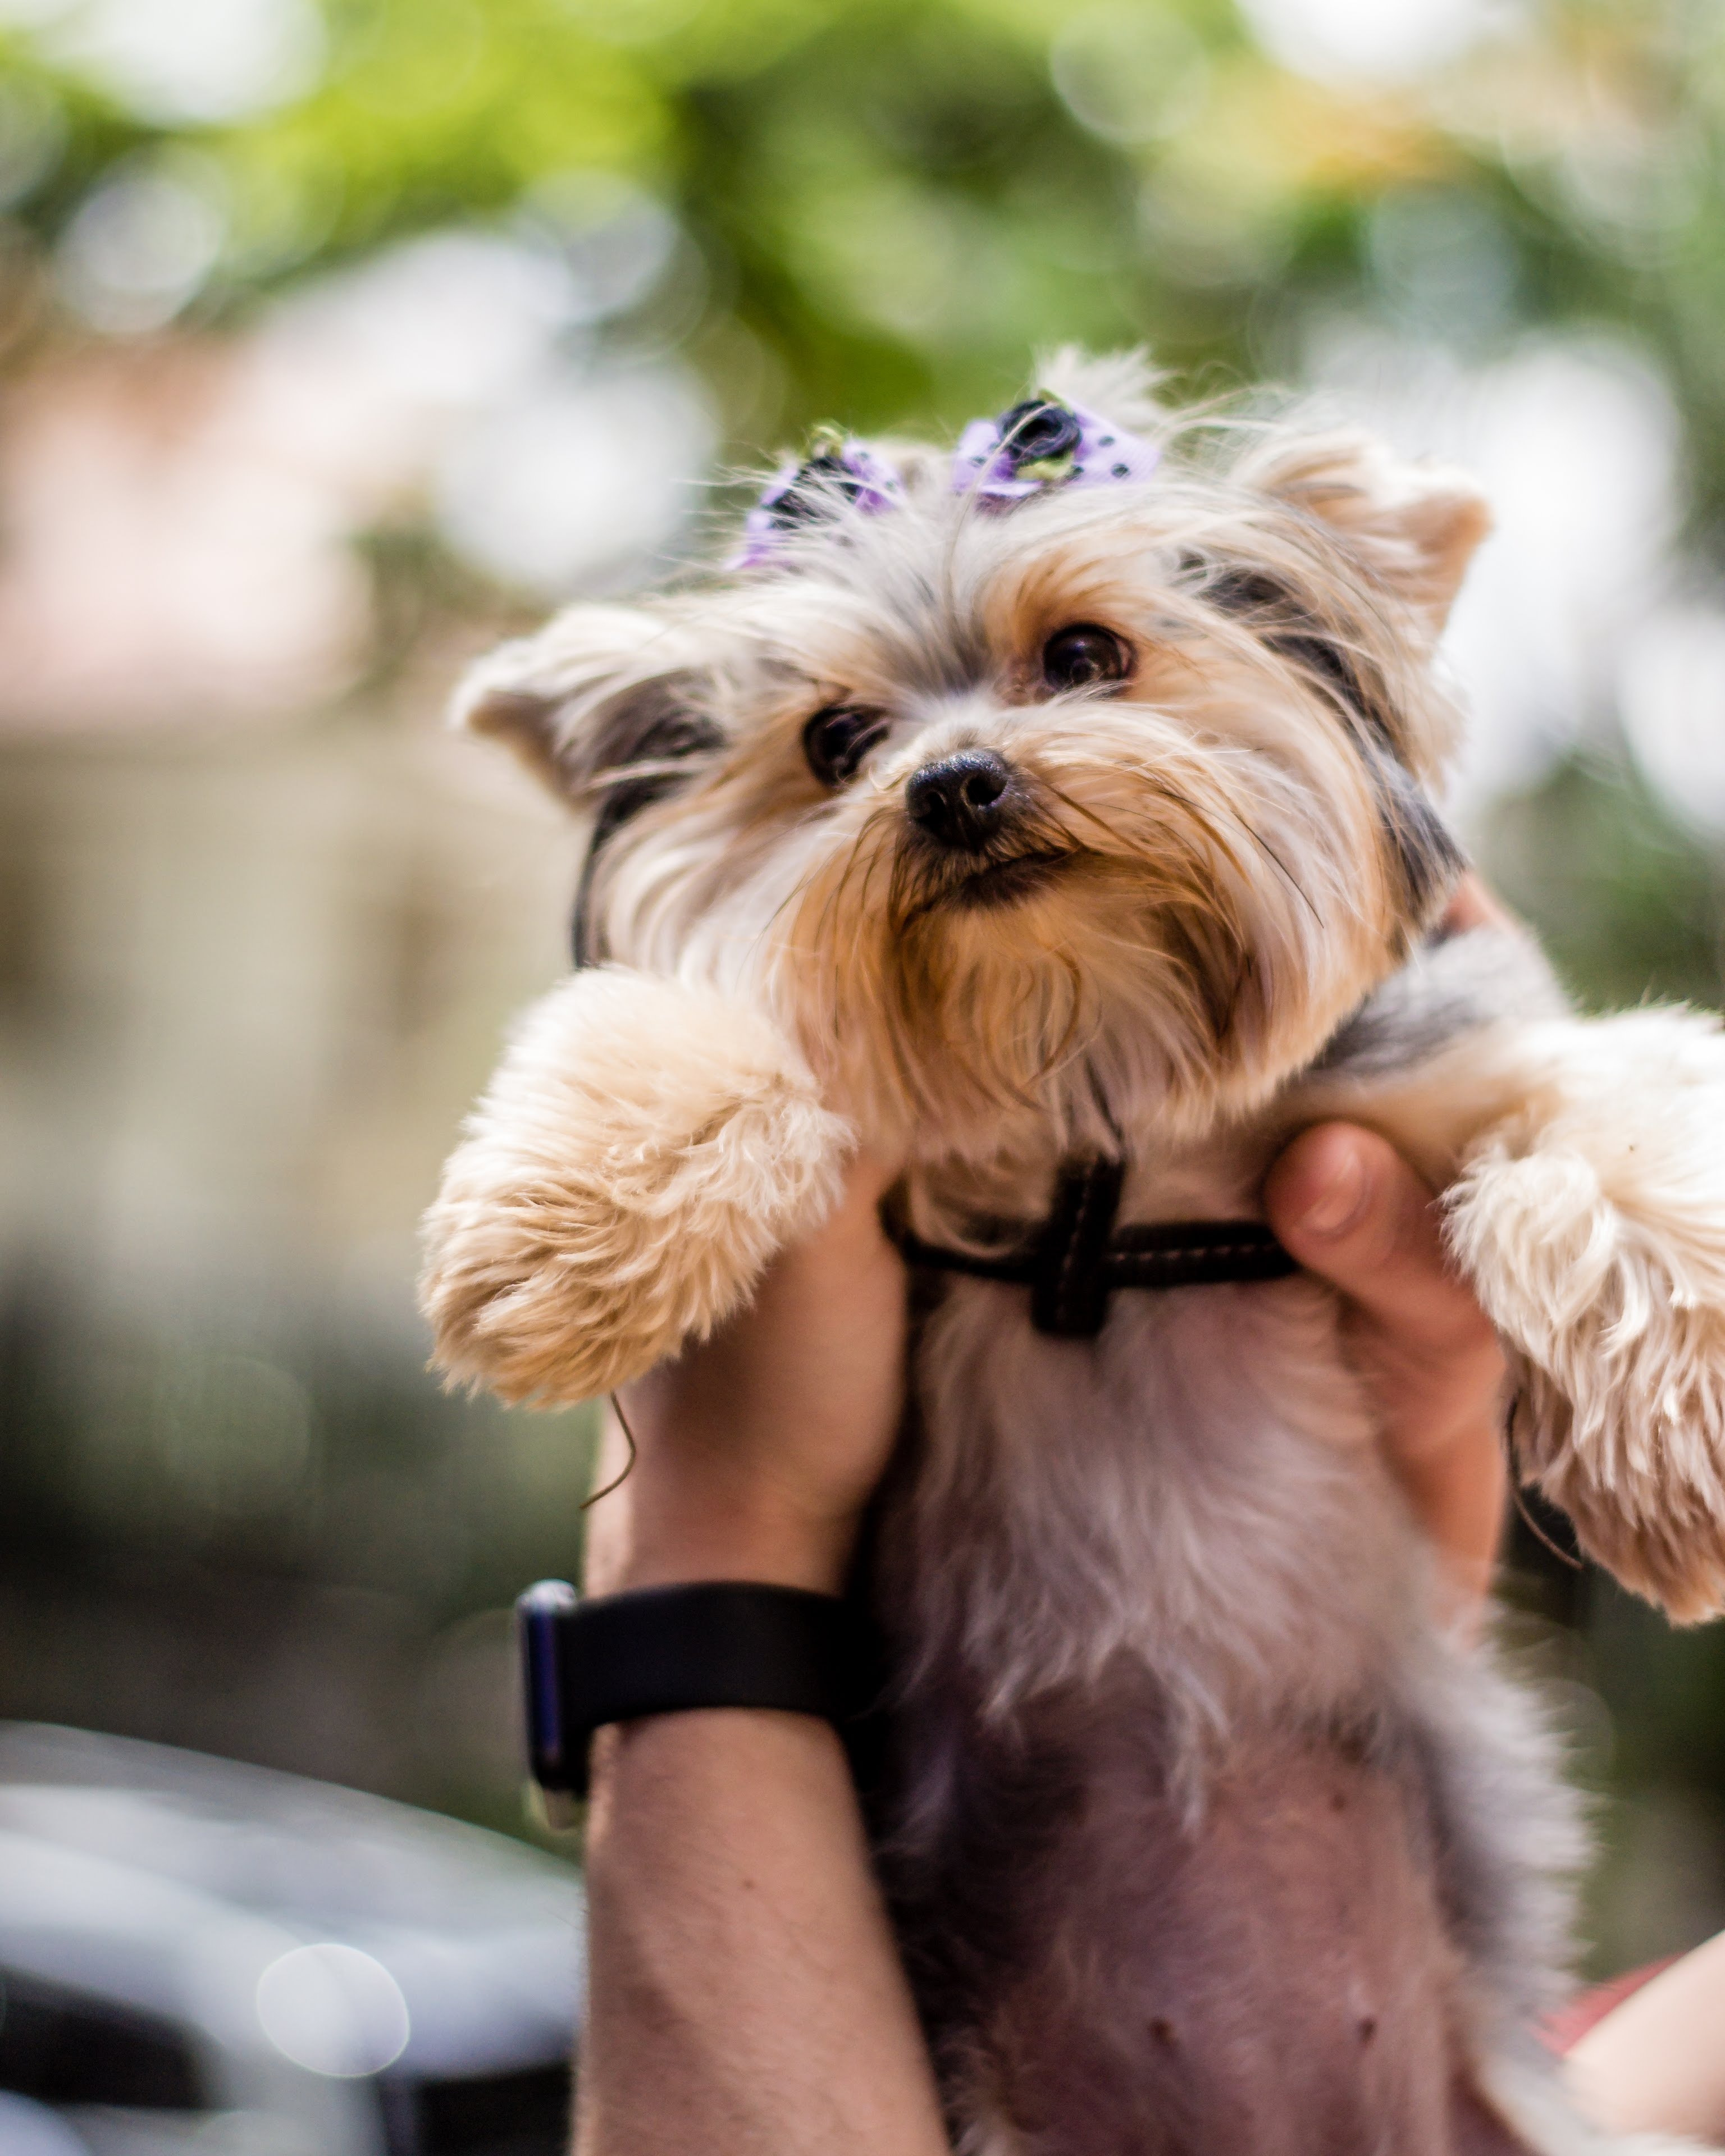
(1111, 803)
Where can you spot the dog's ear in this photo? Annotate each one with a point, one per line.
(599, 688)
(1414, 526)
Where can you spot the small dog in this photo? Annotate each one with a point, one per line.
(1057, 817)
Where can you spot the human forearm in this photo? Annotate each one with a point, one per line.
(745, 1992)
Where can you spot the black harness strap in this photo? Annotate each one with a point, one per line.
(1076, 1259)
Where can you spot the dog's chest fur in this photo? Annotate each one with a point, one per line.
(1187, 1834)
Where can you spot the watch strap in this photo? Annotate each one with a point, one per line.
(674, 1650)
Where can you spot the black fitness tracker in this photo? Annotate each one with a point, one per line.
(671, 1650)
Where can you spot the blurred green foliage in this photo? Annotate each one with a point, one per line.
(890, 201)
(1629, 906)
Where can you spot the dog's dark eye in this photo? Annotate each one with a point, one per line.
(1079, 657)
(835, 740)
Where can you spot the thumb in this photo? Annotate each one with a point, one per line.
(1347, 1205)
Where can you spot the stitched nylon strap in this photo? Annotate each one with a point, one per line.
(1076, 1259)
(669, 1650)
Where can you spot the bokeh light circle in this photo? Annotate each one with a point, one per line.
(333, 2010)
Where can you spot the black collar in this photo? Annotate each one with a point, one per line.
(1075, 1260)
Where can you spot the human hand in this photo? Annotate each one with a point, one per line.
(757, 1449)
(1350, 1208)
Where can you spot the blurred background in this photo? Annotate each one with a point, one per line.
(336, 340)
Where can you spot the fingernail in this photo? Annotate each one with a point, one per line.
(1342, 1200)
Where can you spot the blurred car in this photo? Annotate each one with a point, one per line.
(31, 2129)
(199, 1955)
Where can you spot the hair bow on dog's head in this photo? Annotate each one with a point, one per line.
(840, 471)
(1036, 445)
(1043, 443)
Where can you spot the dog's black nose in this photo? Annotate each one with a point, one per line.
(956, 801)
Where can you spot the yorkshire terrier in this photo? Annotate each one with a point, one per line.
(1056, 816)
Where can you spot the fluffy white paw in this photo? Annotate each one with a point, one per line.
(1593, 1227)
(642, 1151)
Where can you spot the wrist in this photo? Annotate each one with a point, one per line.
(683, 1648)
(664, 1545)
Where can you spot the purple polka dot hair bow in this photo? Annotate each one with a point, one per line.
(1042, 443)
(1039, 444)
(841, 471)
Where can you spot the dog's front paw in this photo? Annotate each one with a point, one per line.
(642, 1151)
(1594, 1230)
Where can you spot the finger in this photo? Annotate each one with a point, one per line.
(1350, 1208)
(1473, 906)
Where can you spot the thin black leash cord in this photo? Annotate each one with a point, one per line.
(618, 1480)
(1075, 1260)
(1520, 1502)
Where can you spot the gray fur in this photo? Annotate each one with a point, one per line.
(1451, 987)
(1156, 1594)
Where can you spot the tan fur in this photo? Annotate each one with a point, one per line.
(1584, 1169)
(642, 1151)
(1150, 1567)
(1590, 1222)
(1418, 527)
(1205, 814)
